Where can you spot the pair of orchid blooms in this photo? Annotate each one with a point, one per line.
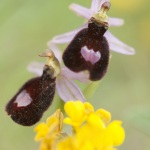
(84, 53)
(86, 58)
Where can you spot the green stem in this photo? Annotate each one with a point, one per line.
(90, 90)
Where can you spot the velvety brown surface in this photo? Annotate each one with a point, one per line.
(41, 90)
(91, 37)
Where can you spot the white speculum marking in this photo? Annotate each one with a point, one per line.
(90, 55)
(23, 99)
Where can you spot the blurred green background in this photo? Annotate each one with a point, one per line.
(25, 28)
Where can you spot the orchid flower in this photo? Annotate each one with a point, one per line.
(65, 85)
(114, 43)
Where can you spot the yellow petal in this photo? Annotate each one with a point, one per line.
(95, 121)
(57, 116)
(67, 120)
(86, 146)
(104, 115)
(75, 110)
(88, 108)
(41, 130)
(44, 146)
(116, 131)
(40, 126)
(67, 143)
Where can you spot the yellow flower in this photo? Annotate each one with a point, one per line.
(76, 112)
(93, 130)
(94, 137)
(48, 132)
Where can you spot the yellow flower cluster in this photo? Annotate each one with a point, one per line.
(92, 130)
(49, 132)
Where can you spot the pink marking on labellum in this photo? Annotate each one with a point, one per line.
(23, 99)
(90, 55)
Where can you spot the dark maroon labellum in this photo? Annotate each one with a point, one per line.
(32, 100)
(89, 40)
